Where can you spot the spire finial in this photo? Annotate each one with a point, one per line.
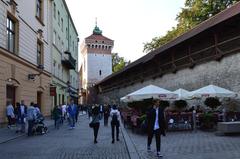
(96, 30)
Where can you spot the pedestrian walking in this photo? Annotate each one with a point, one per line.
(72, 110)
(156, 126)
(95, 122)
(89, 109)
(115, 123)
(31, 117)
(64, 111)
(21, 112)
(101, 110)
(77, 112)
(10, 114)
(106, 115)
(57, 116)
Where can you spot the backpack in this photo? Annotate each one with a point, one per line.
(115, 117)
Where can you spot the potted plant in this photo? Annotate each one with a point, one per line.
(209, 119)
(180, 104)
(212, 102)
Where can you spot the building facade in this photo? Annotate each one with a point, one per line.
(25, 54)
(64, 49)
(97, 61)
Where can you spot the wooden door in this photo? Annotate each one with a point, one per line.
(11, 96)
(39, 100)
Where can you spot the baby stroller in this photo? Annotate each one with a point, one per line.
(39, 127)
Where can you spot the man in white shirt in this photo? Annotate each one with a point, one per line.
(156, 125)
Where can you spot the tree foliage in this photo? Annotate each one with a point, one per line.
(212, 102)
(180, 104)
(118, 62)
(193, 13)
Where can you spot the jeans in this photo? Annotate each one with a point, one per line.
(95, 130)
(72, 121)
(113, 125)
(157, 136)
(30, 127)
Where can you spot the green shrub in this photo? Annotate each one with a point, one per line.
(180, 104)
(212, 102)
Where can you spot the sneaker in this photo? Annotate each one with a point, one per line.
(112, 141)
(159, 154)
(117, 139)
(148, 148)
(95, 141)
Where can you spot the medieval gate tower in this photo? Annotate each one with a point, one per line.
(97, 61)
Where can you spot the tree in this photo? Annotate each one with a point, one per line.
(212, 102)
(118, 62)
(194, 12)
(180, 104)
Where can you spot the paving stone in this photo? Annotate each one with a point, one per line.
(66, 144)
(190, 145)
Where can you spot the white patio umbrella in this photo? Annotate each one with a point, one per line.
(147, 92)
(183, 94)
(213, 91)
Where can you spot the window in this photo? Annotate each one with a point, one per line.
(59, 70)
(39, 10)
(59, 42)
(100, 72)
(11, 35)
(39, 53)
(54, 67)
(62, 46)
(54, 10)
(62, 24)
(66, 33)
(54, 37)
(73, 46)
(58, 18)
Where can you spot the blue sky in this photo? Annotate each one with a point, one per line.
(129, 23)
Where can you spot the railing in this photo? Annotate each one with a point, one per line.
(68, 61)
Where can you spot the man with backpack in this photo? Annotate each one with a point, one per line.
(115, 115)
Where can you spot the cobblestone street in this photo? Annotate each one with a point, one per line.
(190, 145)
(66, 144)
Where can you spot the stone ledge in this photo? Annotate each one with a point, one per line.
(129, 144)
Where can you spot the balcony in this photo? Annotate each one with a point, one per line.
(68, 61)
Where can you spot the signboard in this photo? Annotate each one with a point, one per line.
(52, 91)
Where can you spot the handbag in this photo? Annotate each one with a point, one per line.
(91, 124)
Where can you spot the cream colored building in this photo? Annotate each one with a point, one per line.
(25, 53)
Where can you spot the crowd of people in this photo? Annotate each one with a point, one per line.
(21, 114)
(96, 112)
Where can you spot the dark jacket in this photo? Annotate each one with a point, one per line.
(151, 120)
(18, 112)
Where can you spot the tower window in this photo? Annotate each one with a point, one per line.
(103, 42)
(100, 72)
(92, 46)
(95, 46)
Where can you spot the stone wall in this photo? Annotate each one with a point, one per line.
(225, 73)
